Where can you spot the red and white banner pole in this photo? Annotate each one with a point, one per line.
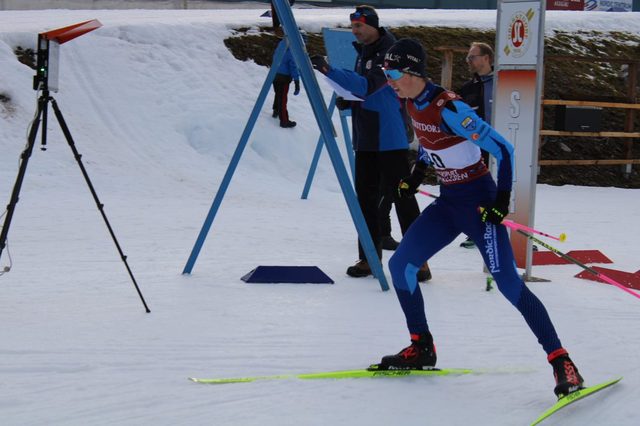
(516, 106)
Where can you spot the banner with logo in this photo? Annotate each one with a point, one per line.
(609, 5)
(565, 4)
(520, 27)
(594, 5)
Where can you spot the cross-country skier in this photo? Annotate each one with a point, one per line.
(451, 136)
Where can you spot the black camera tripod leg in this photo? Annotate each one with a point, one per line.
(78, 157)
(24, 161)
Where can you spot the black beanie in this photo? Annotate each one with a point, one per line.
(407, 55)
(366, 15)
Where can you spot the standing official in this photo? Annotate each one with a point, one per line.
(379, 134)
(478, 92)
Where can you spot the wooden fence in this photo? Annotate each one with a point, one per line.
(630, 106)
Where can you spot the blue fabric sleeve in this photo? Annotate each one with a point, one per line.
(465, 122)
(423, 156)
(288, 64)
(360, 86)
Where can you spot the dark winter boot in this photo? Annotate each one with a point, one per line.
(420, 355)
(468, 243)
(424, 273)
(568, 379)
(388, 243)
(288, 124)
(360, 269)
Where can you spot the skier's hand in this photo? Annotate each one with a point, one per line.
(296, 91)
(408, 185)
(496, 212)
(320, 63)
(342, 103)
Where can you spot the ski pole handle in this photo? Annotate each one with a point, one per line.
(511, 224)
(518, 226)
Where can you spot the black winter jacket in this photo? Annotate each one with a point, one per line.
(472, 93)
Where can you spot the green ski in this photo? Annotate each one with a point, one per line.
(573, 397)
(345, 374)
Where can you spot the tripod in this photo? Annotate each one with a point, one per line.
(41, 82)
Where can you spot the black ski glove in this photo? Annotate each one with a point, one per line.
(342, 104)
(495, 212)
(408, 185)
(296, 85)
(320, 63)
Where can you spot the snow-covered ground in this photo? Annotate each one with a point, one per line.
(156, 105)
(130, 4)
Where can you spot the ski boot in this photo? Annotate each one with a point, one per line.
(468, 243)
(568, 379)
(420, 355)
(424, 273)
(360, 269)
(388, 243)
(288, 124)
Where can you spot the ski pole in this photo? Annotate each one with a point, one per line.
(511, 224)
(428, 194)
(600, 275)
(518, 226)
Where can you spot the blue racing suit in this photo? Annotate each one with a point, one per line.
(451, 135)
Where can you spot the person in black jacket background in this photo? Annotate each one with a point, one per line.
(478, 92)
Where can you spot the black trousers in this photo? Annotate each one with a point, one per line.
(384, 210)
(378, 173)
(281, 84)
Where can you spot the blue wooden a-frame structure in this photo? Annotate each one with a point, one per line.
(338, 44)
(298, 50)
(316, 154)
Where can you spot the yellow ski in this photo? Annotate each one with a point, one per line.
(573, 397)
(345, 374)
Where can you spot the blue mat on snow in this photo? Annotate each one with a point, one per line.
(287, 275)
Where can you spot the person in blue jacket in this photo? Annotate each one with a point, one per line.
(287, 72)
(451, 136)
(379, 133)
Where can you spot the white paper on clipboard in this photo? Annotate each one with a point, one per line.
(341, 91)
